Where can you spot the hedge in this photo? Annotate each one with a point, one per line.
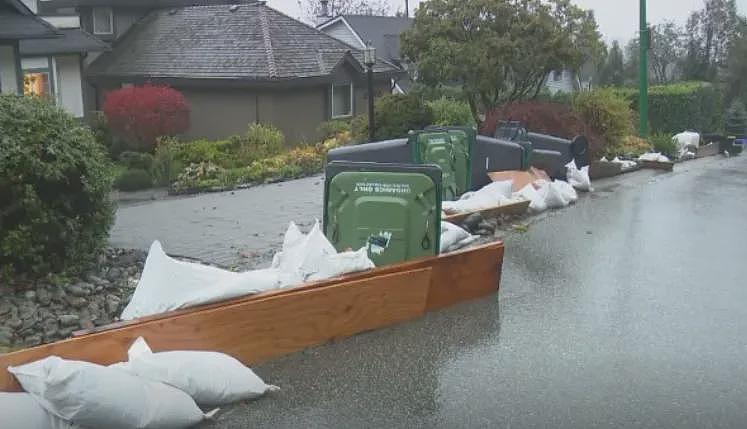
(681, 106)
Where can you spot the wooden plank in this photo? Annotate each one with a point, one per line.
(601, 169)
(518, 208)
(656, 165)
(711, 149)
(472, 254)
(255, 330)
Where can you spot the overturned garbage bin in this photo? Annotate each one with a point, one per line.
(390, 151)
(514, 131)
(393, 210)
(490, 155)
(572, 150)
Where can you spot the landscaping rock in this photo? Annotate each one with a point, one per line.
(44, 297)
(67, 320)
(6, 335)
(30, 295)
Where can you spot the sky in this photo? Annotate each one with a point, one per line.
(618, 19)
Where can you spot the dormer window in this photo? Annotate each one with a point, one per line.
(103, 20)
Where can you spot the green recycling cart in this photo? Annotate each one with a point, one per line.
(451, 149)
(393, 210)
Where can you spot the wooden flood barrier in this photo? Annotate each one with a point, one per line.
(256, 328)
(518, 208)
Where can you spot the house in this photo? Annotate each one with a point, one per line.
(53, 68)
(17, 23)
(382, 31)
(565, 82)
(236, 64)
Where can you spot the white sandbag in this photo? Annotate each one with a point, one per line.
(96, 396)
(167, 284)
(604, 159)
(342, 263)
(625, 165)
(685, 142)
(454, 237)
(536, 198)
(21, 411)
(312, 257)
(568, 192)
(492, 195)
(578, 178)
(554, 197)
(653, 156)
(210, 378)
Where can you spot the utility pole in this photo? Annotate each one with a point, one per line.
(407, 9)
(643, 74)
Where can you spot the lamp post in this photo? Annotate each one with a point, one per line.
(643, 73)
(369, 57)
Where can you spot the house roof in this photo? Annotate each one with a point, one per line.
(247, 41)
(382, 31)
(18, 22)
(73, 40)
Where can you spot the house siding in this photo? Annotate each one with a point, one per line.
(69, 86)
(564, 85)
(8, 70)
(341, 32)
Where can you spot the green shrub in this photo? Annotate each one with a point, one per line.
(204, 175)
(394, 116)
(736, 119)
(330, 129)
(260, 141)
(134, 179)
(166, 168)
(681, 106)
(447, 112)
(55, 180)
(136, 160)
(217, 152)
(632, 146)
(664, 144)
(607, 114)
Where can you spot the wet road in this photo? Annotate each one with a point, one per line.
(627, 310)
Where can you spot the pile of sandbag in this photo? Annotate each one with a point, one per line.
(167, 284)
(578, 177)
(544, 195)
(151, 390)
(454, 237)
(653, 157)
(625, 165)
(687, 144)
(493, 195)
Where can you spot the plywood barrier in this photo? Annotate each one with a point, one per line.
(261, 327)
(657, 165)
(518, 208)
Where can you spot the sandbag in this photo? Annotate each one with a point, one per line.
(625, 165)
(537, 200)
(167, 284)
(453, 237)
(655, 157)
(685, 142)
(492, 195)
(210, 378)
(21, 411)
(95, 396)
(568, 192)
(554, 196)
(311, 257)
(578, 178)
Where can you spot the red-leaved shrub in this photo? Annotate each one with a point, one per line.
(141, 114)
(554, 119)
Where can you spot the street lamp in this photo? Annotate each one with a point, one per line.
(369, 58)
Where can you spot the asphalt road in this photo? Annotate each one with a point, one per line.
(626, 310)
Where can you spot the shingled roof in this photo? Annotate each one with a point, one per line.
(248, 41)
(18, 22)
(72, 40)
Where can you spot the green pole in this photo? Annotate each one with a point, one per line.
(643, 74)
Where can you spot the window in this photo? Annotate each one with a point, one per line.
(103, 20)
(38, 77)
(342, 100)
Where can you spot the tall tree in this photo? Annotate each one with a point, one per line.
(667, 50)
(314, 9)
(499, 50)
(612, 73)
(736, 73)
(711, 32)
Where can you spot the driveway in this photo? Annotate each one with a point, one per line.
(626, 310)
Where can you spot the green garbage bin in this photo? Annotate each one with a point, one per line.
(394, 210)
(464, 140)
(445, 150)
